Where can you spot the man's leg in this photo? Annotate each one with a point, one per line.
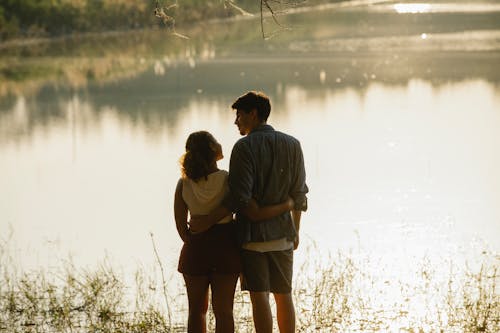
(255, 279)
(285, 312)
(262, 316)
(281, 273)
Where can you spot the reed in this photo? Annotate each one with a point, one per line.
(347, 292)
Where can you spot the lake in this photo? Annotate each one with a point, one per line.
(397, 109)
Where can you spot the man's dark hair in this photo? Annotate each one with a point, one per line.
(254, 100)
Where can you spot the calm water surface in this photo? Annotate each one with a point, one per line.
(399, 123)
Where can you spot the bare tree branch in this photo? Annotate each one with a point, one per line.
(168, 20)
(265, 6)
(241, 10)
(273, 14)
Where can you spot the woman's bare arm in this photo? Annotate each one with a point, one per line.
(181, 212)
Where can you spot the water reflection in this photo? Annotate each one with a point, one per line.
(157, 101)
(392, 167)
(421, 8)
(412, 7)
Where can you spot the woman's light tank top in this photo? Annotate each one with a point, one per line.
(203, 196)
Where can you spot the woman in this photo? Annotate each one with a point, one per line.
(209, 258)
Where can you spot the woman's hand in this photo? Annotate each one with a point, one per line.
(199, 223)
(185, 236)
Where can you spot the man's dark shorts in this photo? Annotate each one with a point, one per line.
(267, 271)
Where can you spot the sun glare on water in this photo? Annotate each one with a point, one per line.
(412, 7)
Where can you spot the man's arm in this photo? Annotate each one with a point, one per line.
(252, 211)
(255, 213)
(241, 178)
(240, 169)
(200, 223)
(240, 181)
(180, 212)
(298, 192)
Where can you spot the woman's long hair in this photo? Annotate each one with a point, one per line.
(199, 155)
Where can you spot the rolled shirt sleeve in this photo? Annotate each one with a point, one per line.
(299, 188)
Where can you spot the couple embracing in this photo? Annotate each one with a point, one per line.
(265, 188)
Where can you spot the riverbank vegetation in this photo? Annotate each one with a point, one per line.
(348, 292)
(49, 18)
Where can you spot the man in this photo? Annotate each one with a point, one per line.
(267, 166)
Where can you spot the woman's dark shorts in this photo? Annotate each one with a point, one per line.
(214, 251)
(267, 271)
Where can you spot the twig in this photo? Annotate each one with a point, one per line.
(273, 16)
(167, 20)
(262, 19)
(160, 13)
(241, 10)
(180, 35)
(169, 312)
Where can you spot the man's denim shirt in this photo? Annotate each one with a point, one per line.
(268, 166)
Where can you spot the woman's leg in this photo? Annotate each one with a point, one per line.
(223, 286)
(197, 291)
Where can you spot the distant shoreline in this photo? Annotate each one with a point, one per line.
(187, 24)
(17, 42)
(319, 6)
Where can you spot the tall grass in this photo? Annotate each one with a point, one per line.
(354, 292)
(348, 292)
